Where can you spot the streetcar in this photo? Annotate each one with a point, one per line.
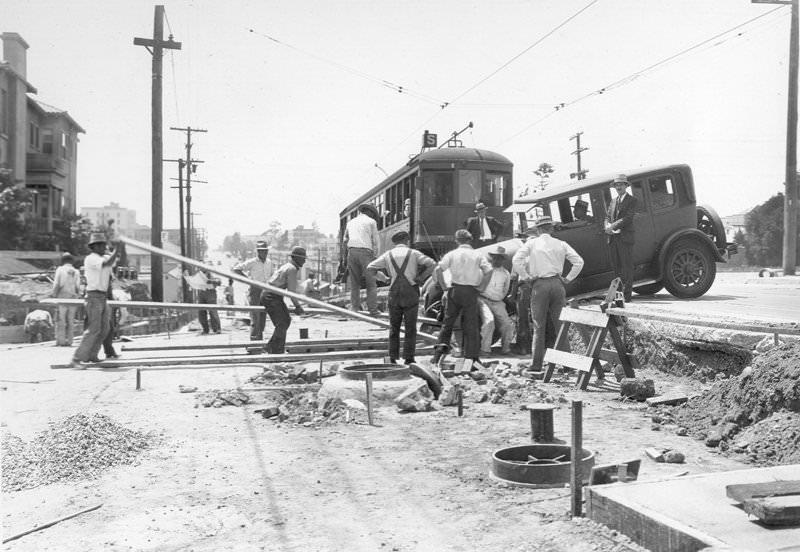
(433, 194)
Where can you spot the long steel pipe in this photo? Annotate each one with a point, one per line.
(267, 287)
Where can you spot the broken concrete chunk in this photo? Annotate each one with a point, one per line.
(637, 389)
(674, 457)
(667, 399)
(187, 388)
(416, 398)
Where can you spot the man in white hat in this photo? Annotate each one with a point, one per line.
(97, 270)
(66, 285)
(492, 306)
(541, 260)
(258, 268)
(484, 229)
(361, 243)
(620, 232)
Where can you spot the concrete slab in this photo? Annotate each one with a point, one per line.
(691, 513)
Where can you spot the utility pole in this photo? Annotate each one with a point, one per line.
(790, 200)
(182, 229)
(156, 46)
(191, 167)
(581, 173)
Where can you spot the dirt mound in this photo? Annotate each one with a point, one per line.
(77, 447)
(767, 395)
(704, 361)
(772, 441)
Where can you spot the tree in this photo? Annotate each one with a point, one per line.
(764, 236)
(273, 232)
(14, 203)
(543, 172)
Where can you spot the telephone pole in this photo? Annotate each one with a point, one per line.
(156, 46)
(581, 173)
(182, 229)
(191, 167)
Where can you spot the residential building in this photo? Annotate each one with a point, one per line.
(124, 219)
(38, 142)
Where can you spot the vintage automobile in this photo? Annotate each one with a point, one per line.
(678, 243)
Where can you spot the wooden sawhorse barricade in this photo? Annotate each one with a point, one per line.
(602, 324)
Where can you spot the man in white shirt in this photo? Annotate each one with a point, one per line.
(66, 285)
(97, 269)
(258, 268)
(492, 306)
(406, 268)
(469, 270)
(541, 260)
(361, 241)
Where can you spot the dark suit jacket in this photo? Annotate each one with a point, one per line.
(624, 219)
(473, 225)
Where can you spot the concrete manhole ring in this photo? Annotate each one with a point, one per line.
(544, 465)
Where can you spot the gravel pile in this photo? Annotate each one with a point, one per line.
(73, 448)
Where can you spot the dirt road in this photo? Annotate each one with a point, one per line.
(227, 479)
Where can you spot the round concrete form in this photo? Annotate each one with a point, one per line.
(388, 382)
(550, 469)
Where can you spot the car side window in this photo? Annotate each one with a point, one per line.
(637, 191)
(662, 192)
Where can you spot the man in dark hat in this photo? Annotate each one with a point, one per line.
(484, 229)
(407, 268)
(580, 211)
(361, 242)
(258, 268)
(620, 233)
(541, 259)
(66, 285)
(97, 270)
(284, 278)
(492, 306)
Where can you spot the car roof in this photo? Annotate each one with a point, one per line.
(575, 187)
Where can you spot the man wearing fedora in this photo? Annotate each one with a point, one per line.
(469, 270)
(66, 285)
(361, 243)
(620, 233)
(97, 270)
(406, 268)
(541, 259)
(484, 229)
(284, 278)
(580, 211)
(492, 304)
(258, 268)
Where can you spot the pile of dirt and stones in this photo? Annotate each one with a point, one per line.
(293, 373)
(77, 447)
(222, 397)
(756, 414)
(305, 409)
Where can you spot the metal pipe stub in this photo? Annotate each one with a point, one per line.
(541, 422)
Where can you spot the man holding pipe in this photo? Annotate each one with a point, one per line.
(284, 278)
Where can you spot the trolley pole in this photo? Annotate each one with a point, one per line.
(156, 47)
(581, 173)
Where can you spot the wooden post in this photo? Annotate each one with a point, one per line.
(575, 475)
(138, 379)
(369, 399)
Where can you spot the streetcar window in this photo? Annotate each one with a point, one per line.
(498, 187)
(437, 188)
(470, 190)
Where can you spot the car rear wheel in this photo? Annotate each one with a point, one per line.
(648, 289)
(689, 269)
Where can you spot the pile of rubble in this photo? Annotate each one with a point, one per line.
(756, 413)
(77, 447)
(222, 397)
(304, 409)
(292, 373)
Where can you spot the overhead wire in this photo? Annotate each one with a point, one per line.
(174, 75)
(636, 74)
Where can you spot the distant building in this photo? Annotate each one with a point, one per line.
(735, 223)
(124, 219)
(38, 142)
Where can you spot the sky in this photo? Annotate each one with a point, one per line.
(307, 102)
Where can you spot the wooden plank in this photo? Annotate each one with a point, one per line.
(243, 359)
(569, 360)
(637, 313)
(669, 399)
(593, 318)
(245, 344)
(746, 491)
(616, 338)
(609, 355)
(777, 510)
(155, 305)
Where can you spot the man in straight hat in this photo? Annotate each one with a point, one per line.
(361, 243)
(469, 270)
(620, 233)
(258, 268)
(66, 285)
(541, 259)
(483, 228)
(492, 304)
(97, 270)
(284, 278)
(406, 268)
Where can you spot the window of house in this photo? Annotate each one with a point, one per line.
(47, 140)
(437, 188)
(662, 192)
(33, 136)
(4, 112)
(62, 152)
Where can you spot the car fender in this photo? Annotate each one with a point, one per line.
(692, 233)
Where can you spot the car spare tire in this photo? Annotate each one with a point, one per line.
(648, 289)
(689, 269)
